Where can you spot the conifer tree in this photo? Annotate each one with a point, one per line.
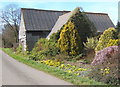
(74, 33)
(69, 41)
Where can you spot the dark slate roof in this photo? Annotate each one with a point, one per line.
(39, 20)
(101, 21)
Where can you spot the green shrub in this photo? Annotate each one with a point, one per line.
(55, 36)
(61, 57)
(37, 55)
(119, 35)
(41, 44)
(82, 24)
(69, 41)
(19, 49)
(44, 48)
(108, 34)
(74, 33)
(91, 43)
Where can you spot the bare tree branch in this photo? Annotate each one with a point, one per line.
(11, 19)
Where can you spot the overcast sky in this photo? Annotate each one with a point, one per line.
(102, 6)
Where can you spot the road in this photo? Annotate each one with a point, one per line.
(16, 73)
(0, 69)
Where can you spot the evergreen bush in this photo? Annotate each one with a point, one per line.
(82, 24)
(69, 41)
(55, 36)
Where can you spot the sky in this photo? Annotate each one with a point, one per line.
(99, 6)
(119, 11)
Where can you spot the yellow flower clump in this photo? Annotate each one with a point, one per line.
(108, 34)
(113, 42)
(105, 71)
(67, 67)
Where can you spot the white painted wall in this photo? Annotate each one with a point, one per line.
(22, 33)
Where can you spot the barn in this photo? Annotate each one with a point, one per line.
(37, 23)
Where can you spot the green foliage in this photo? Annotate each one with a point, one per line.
(82, 24)
(44, 48)
(74, 33)
(55, 36)
(108, 34)
(37, 55)
(61, 57)
(118, 27)
(119, 35)
(113, 42)
(79, 56)
(19, 49)
(91, 43)
(105, 74)
(41, 44)
(69, 41)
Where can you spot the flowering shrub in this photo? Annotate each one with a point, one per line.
(113, 42)
(106, 65)
(108, 34)
(105, 54)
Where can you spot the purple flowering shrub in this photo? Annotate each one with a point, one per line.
(105, 66)
(106, 54)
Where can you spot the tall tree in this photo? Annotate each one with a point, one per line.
(9, 36)
(118, 26)
(118, 29)
(10, 16)
(69, 41)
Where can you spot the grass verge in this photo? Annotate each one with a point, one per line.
(52, 70)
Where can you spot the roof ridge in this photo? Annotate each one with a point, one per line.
(43, 10)
(60, 11)
(95, 13)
